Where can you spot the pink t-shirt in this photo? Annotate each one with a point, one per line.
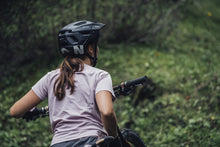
(77, 115)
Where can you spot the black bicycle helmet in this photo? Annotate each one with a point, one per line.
(74, 38)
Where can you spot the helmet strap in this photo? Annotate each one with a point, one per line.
(95, 53)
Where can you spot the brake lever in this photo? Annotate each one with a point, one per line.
(126, 90)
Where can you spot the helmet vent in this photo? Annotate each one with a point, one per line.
(72, 39)
(85, 32)
(80, 23)
(64, 43)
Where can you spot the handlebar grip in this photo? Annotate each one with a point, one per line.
(35, 113)
(137, 81)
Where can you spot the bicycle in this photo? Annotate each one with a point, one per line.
(127, 136)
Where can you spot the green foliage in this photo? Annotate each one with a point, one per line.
(29, 28)
(184, 67)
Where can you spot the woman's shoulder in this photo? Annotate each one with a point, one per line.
(53, 73)
(95, 70)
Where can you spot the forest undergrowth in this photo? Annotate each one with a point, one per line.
(183, 109)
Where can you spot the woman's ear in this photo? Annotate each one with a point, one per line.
(90, 50)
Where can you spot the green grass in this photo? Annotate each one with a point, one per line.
(185, 70)
(187, 111)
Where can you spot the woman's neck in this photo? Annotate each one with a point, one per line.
(87, 61)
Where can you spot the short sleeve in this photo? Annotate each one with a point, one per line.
(40, 88)
(105, 84)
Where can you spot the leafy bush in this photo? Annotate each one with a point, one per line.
(185, 71)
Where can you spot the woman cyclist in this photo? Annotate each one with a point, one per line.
(79, 96)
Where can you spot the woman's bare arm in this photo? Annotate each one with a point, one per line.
(24, 104)
(105, 105)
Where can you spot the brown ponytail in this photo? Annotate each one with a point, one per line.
(66, 78)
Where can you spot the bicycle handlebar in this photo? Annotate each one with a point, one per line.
(136, 82)
(124, 88)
